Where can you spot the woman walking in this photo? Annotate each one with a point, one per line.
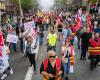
(30, 51)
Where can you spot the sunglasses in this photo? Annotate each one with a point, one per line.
(52, 56)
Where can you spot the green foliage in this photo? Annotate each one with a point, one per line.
(15, 2)
(93, 1)
(27, 5)
(60, 3)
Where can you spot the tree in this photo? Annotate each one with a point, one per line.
(59, 3)
(15, 2)
(93, 1)
(27, 5)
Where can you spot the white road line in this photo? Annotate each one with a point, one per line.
(29, 73)
(37, 48)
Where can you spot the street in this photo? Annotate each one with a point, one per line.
(20, 65)
(30, 28)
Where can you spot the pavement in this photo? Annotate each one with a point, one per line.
(20, 65)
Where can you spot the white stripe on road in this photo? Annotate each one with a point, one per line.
(29, 73)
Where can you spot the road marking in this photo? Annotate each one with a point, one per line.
(29, 73)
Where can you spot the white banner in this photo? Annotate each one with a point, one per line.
(12, 38)
(29, 25)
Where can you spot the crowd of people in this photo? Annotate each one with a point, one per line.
(62, 26)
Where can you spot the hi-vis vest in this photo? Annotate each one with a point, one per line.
(52, 39)
(95, 47)
(58, 66)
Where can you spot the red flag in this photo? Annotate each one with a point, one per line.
(88, 23)
(1, 43)
(77, 26)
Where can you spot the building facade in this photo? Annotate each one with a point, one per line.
(11, 7)
(2, 8)
(2, 4)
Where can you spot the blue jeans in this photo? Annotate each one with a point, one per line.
(66, 67)
(78, 42)
(47, 26)
(72, 41)
(51, 48)
(83, 53)
(40, 40)
(13, 45)
(21, 44)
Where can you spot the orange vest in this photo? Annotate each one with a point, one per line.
(58, 64)
(95, 47)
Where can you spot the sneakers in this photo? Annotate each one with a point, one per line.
(30, 67)
(3, 76)
(11, 71)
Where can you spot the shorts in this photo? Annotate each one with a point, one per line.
(59, 30)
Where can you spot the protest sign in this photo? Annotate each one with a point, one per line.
(12, 38)
(29, 25)
(32, 32)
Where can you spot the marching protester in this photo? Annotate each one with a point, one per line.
(68, 57)
(94, 51)
(79, 33)
(52, 67)
(64, 26)
(59, 27)
(41, 34)
(51, 39)
(84, 43)
(65, 33)
(84, 18)
(30, 48)
(12, 31)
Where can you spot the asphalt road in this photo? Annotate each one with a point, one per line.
(20, 65)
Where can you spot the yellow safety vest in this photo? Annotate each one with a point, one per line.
(52, 39)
